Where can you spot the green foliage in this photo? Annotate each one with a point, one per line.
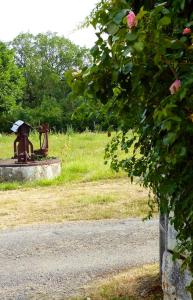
(131, 75)
(44, 60)
(86, 112)
(11, 84)
(37, 79)
(49, 111)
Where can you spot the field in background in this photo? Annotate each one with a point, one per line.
(82, 157)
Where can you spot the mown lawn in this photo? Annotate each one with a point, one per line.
(104, 199)
(82, 157)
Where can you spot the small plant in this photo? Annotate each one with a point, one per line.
(69, 130)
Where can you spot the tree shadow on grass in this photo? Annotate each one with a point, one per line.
(148, 287)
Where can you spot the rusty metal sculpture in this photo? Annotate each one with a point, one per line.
(23, 148)
(43, 138)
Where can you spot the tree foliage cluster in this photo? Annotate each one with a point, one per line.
(35, 83)
(11, 83)
(134, 74)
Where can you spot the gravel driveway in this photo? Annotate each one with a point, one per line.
(55, 261)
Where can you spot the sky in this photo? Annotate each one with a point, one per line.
(35, 16)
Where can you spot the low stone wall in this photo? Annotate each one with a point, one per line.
(174, 281)
(11, 171)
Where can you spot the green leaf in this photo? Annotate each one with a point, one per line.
(127, 68)
(119, 16)
(139, 46)
(165, 21)
(170, 138)
(116, 91)
(112, 28)
(141, 13)
(167, 125)
(131, 37)
(94, 50)
(175, 118)
(183, 151)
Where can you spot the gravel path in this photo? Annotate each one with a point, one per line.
(55, 261)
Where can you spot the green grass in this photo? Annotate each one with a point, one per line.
(82, 157)
(97, 199)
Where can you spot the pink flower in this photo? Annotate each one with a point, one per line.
(186, 31)
(131, 20)
(176, 85)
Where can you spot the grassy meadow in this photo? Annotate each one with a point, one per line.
(86, 190)
(82, 157)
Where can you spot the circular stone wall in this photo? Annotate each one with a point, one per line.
(10, 170)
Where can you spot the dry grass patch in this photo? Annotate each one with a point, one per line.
(135, 284)
(82, 201)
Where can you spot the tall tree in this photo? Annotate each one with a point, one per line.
(44, 59)
(11, 84)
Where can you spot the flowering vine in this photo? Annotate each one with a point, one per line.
(144, 77)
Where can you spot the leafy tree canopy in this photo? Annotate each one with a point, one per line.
(44, 59)
(11, 84)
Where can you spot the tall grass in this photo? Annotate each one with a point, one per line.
(82, 157)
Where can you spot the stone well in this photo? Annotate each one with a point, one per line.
(11, 170)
